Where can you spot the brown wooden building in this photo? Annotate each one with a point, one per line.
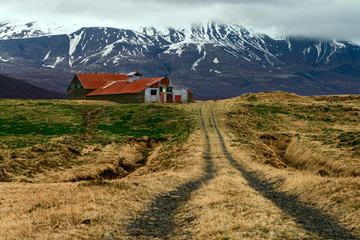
(126, 88)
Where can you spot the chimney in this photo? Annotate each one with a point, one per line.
(133, 76)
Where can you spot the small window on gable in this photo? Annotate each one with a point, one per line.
(72, 85)
(153, 92)
(79, 85)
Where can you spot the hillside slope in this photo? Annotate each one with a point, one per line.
(14, 88)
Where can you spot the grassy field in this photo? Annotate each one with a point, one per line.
(291, 130)
(28, 122)
(85, 169)
(38, 136)
(309, 145)
(63, 164)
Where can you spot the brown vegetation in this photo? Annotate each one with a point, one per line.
(311, 141)
(81, 187)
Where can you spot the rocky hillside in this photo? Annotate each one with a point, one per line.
(212, 59)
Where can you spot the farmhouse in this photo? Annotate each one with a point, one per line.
(127, 88)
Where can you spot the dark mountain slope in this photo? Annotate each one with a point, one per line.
(13, 88)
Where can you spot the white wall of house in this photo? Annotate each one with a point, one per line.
(179, 90)
(149, 98)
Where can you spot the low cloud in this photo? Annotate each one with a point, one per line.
(338, 19)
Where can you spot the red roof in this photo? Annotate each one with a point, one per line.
(95, 80)
(123, 86)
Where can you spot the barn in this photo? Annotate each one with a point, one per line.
(127, 88)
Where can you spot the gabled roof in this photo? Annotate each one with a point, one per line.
(95, 80)
(123, 86)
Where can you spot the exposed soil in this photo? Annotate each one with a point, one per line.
(276, 148)
(305, 214)
(122, 167)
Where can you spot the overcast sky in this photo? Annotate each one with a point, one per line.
(336, 19)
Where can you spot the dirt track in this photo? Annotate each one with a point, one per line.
(160, 221)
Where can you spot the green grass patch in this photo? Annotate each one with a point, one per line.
(138, 120)
(314, 113)
(29, 122)
(321, 121)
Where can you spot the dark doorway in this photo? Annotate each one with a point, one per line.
(169, 98)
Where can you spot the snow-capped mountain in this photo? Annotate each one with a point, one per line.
(19, 29)
(211, 59)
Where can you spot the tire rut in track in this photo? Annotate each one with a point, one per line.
(158, 221)
(308, 217)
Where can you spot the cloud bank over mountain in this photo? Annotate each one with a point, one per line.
(335, 19)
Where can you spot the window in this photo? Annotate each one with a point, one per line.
(79, 85)
(153, 92)
(72, 85)
(169, 89)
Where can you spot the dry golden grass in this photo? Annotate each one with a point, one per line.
(301, 156)
(89, 209)
(60, 190)
(228, 208)
(313, 150)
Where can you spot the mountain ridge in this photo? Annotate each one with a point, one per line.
(212, 59)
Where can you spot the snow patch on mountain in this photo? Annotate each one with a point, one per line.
(47, 56)
(4, 60)
(200, 48)
(74, 41)
(57, 61)
(215, 71)
(306, 51)
(107, 50)
(176, 49)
